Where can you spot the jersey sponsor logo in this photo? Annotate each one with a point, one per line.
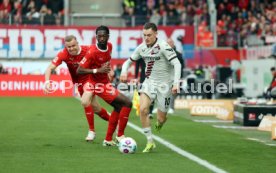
(151, 58)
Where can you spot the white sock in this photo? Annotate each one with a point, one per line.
(147, 132)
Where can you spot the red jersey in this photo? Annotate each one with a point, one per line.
(95, 58)
(72, 62)
(273, 82)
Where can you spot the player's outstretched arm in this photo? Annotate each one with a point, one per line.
(177, 74)
(105, 68)
(123, 76)
(48, 72)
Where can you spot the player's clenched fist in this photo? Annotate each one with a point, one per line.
(123, 78)
(111, 75)
(47, 87)
(174, 89)
(105, 68)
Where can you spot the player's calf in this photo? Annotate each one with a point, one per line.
(86, 99)
(158, 126)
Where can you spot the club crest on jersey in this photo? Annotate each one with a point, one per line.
(155, 50)
(75, 64)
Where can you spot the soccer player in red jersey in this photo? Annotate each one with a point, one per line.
(271, 91)
(72, 54)
(97, 57)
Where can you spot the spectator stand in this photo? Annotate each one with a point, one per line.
(32, 12)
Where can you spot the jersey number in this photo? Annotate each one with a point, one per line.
(149, 68)
(167, 102)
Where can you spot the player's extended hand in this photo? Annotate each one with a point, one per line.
(123, 78)
(111, 75)
(174, 89)
(47, 88)
(105, 68)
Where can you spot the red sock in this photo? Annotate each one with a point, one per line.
(103, 114)
(112, 124)
(90, 117)
(123, 119)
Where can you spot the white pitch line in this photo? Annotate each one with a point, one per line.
(236, 127)
(213, 121)
(179, 150)
(262, 141)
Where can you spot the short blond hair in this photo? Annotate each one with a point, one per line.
(69, 38)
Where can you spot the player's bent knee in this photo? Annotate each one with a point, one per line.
(162, 119)
(85, 102)
(128, 104)
(96, 108)
(125, 101)
(144, 111)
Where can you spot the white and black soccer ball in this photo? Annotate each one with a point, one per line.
(127, 145)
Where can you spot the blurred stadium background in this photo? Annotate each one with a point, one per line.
(222, 41)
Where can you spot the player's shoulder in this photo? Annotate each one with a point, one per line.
(141, 47)
(85, 47)
(93, 47)
(63, 54)
(109, 44)
(91, 51)
(162, 43)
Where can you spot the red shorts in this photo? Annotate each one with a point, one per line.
(106, 91)
(79, 85)
(80, 89)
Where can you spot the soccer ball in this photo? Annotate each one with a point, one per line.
(127, 145)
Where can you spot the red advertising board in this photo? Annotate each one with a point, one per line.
(46, 41)
(32, 85)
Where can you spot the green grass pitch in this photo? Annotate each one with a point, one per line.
(46, 135)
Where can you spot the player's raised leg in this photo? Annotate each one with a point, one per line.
(99, 110)
(161, 119)
(163, 104)
(123, 104)
(112, 124)
(122, 107)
